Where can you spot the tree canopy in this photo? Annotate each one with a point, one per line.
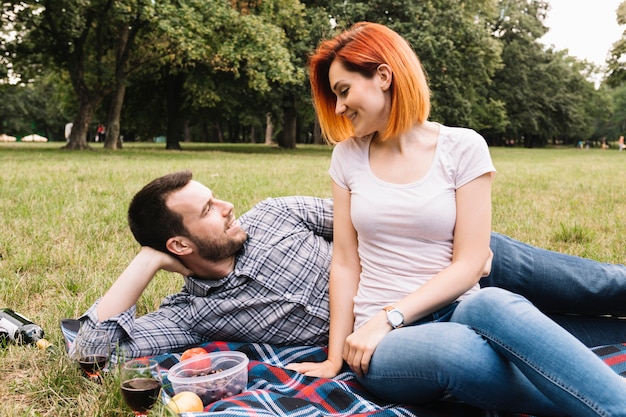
(229, 70)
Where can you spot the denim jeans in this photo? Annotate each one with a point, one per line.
(497, 352)
(573, 291)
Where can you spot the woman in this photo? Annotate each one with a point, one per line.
(412, 207)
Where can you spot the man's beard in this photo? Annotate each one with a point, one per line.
(220, 248)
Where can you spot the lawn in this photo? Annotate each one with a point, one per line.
(64, 237)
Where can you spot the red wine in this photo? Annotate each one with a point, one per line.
(141, 393)
(93, 363)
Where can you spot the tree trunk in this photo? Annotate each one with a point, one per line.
(174, 89)
(219, 132)
(287, 139)
(318, 139)
(187, 131)
(80, 128)
(112, 135)
(269, 129)
(125, 43)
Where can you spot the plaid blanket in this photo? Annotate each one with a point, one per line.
(275, 391)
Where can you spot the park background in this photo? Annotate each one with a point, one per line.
(221, 80)
(234, 71)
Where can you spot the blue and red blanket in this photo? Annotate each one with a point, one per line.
(275, 391)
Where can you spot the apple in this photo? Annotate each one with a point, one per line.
(185, 402)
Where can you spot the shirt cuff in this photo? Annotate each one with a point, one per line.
(124, 321)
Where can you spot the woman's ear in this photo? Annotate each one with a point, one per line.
(178, 245)
(385, 75)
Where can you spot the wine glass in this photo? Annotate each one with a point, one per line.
(140, 381)
(91, 349)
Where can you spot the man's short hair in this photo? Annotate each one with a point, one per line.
(150, 220)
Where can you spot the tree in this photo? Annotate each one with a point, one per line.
(299, 26)
(616, 63)
(41, 107)
(612, 120)
(546, 93)
(93, 41)
(133, 17)
(200, 42)
(77, 37)
(461, 56)
(214, 69)
(518, 25)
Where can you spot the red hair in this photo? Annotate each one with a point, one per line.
(363, 48)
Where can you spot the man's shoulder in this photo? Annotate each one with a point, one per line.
(287, 203)
(277, 214)
(264, 211)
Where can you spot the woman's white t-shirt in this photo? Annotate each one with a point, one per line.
(405, 231)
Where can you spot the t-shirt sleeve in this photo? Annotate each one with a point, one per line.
(337, 164)
(473, 157)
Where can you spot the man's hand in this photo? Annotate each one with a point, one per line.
(129, 286)
(165, 261)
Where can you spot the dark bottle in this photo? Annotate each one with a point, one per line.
(21, 330)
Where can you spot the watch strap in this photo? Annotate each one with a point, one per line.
(393, 310)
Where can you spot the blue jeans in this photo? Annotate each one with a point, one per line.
(497, 352)
(573, 291)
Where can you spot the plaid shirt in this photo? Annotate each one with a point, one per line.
(277, 293)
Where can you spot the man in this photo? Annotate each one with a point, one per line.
(267, 283)
(264, 277)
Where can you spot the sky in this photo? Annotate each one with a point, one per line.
(587, 28)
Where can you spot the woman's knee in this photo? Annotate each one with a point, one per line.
(486, 303)
(435, 358)
(434, 346)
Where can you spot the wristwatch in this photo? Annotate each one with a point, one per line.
(395, 318)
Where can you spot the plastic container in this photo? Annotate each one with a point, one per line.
(212, 376)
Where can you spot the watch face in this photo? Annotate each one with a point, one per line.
(395, 318)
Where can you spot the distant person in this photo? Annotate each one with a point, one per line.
(620, 143)
(68, 131)
(100, 132)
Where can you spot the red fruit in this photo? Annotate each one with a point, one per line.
(200, 365)
(190, 353)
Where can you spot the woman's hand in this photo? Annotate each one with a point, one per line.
(326, 369)
(360, 345)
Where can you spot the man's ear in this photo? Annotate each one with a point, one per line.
(178, 245)
(385, 75)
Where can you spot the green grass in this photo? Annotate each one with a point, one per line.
(64, 238)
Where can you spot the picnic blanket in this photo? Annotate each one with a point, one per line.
(273, 390)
